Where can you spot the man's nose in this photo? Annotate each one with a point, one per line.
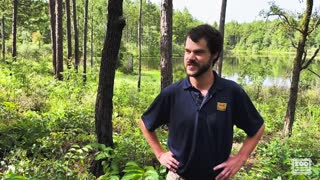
(191, 56)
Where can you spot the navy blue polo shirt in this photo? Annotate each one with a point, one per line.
(201, 133)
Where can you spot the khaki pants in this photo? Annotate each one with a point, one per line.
(173, 176)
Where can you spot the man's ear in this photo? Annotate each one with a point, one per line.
(215, 56)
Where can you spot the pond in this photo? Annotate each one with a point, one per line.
(257, 69)
(267, 70)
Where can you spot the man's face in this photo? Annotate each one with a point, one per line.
(197, 57)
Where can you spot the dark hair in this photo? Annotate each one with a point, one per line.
(212, 36)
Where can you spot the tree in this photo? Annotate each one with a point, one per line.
(52, 6)
(85, 32)
(132, 18)
(3, 39)
(139, 43)
(104, 106)
(2, 31)
(3, 14)
(91, 43)
(221, 29)
(151, 30)
(76, 35)
(232, 35)
(166, 43)
(182, 22)
(32, 16)
(304, 27)
(59, 40)
(69, 39)
(14, 30)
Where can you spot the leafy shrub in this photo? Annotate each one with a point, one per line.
(133, 171)
(47, 126)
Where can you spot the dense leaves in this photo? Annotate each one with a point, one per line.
(257, 36)
(47, 127)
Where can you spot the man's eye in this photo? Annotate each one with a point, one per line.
(199, 52)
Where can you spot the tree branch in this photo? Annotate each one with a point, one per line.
(304, 57)
(286, 19)
(314, 73)
(311, 59)
(293, 43)
(316, 24)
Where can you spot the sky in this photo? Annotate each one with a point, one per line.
(208, 11)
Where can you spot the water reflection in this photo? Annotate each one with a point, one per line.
(251, 69)
(258, 70)
(267, 82)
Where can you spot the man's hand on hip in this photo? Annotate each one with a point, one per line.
(230, 167)
(169, 161)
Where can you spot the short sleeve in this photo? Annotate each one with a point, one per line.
(158, 112)
(245, 114)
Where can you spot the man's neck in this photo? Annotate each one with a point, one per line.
(203, 83)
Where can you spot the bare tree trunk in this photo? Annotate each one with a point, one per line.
(291, 108)
(76, 36)
(127, 31)
(59, 40)
(53, 33)
(104, 106)
(166, 43)
(14, 30)
(294, 87)
(221, 29)
(139, 44)
(69, 38)
(3, 38)
(91, 48)
(85, 32)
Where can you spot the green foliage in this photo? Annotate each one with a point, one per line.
(34, 33)
(134, 172)
(278, 154)
(47, 126)
(183, 21)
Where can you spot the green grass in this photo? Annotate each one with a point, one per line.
(47, 126)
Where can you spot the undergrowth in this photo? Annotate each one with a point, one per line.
(47, 127)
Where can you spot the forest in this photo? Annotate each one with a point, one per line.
(74, 84)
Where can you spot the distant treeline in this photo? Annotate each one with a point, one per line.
(34, 27)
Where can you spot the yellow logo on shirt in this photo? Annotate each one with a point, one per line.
(221, 106)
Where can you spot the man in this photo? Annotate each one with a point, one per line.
(200, 111)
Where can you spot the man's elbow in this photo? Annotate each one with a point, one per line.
(141, 124)
(262, 128)
(260, 131)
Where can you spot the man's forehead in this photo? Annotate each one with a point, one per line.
(202, 42)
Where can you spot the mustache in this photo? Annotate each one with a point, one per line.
(192, 62)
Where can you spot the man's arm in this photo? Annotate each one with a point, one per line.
(165, 158)
(233, 164)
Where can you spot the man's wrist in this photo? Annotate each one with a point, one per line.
(159, 155)
(243, 157)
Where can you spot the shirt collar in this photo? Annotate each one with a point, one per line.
(217, 84)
